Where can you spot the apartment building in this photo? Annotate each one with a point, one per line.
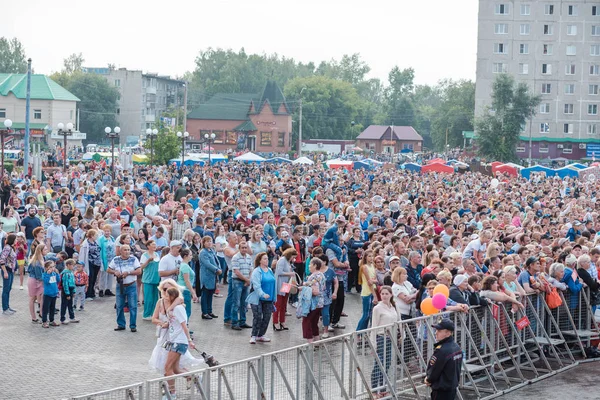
(554, 47)
(143, 98)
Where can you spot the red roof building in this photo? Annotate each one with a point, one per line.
(389, 139)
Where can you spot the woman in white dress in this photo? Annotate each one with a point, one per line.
(159, 354)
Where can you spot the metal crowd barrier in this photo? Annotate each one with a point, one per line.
(503, 348)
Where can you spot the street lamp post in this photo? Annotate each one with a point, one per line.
(112, 135)
(7, 125)
(152, 133)
(65, 132)
(209, 138)
(183, 137)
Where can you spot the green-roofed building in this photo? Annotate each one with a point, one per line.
(260, 122)
(50, 104)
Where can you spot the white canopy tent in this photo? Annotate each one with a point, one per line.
(250, 157)
(303, 160)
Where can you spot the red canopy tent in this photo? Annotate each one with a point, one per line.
(504, 169)
(436, 161)
(437, 167)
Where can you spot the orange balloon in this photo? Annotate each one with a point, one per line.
(427, 307)
(440, 288)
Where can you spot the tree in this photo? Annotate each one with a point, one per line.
(166, 147)
(398, 97)
(454, 114)
(329, 107)
(12, 57)
(499, 128)
(98, 105)
(73, 63)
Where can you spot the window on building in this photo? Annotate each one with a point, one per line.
(592, 129)
(568, 109)
(544, 148)
(523, 68)
(547, 49)
(525, 29)
(265, 138)
(595, 30)
(2, 112)
(281, 139)
(593, 90)
(592, 109)
(546, 88)
(571, 30)
(501, 9)
(569, 88)
(594, 69)
(524, 48)
(595, 50)
(500, 48)
(525, 9)
(568, 129)
(547, 69)
(568, 148)
(572, 10)
(570, 69)
(549, 9)
(595, 10)
(37, 114)
(501, 29)
(117, 83)
(499, 68)
(118, 111)
(521, 147)
(548, 29)
(219, 137)
(544, 127)
(545, 108)
(571, 50)
(231, 137)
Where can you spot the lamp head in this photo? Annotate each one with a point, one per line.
(148, 131)
(117, 130)
(186, 134)
(69, 126)
(155, 131)
(61, 126)
(7, 123)
(179, 134)
(106, 130)
(212, 136)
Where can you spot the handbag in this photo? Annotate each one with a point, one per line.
(553, 299)
(58, 249)
(293, 284)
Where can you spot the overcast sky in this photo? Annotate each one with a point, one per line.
(438, 38)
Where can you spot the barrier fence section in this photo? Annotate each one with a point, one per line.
(504, 347)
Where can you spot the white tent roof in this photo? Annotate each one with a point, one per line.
(250, 157)
(303, 160)
(338, 161)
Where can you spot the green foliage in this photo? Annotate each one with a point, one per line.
(73, 63)
(166, 146)
(329, 106)
(454, 114)
(399, 105)
(9, 166)
(98, 103)
(498, 130)
(12, 56)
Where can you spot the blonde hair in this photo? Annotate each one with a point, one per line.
(171, 282)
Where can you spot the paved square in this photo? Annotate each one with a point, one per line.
(77, 359)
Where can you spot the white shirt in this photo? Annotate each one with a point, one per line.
(176, 333)
(169, 263)
(407, 289)
(151, 210)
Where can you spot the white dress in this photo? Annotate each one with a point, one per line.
(159, 354)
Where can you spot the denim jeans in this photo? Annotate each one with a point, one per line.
(223, 265)
(228, 299)
(325, 315)
(261, 314)
(366, 313)
(6, 288)
(238, 307)
(384, 350)
(66, 305)
(130, 294)
(206, 300)
(187, 300)
(48, 306)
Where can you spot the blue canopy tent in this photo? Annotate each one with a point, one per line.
(372, 162)
(526, 172)
(577, 166)
(362, 165)
(189, 162)
(279, 160)
(412, 167)
(567, 172)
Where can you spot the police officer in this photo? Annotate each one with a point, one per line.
(443, 370)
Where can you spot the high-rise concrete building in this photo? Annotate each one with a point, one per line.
(143, 98)
(554, 47)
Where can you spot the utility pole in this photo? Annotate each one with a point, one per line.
(530, 125)
(27, 112)
(300, 129)
(446, 147)
(185, 85)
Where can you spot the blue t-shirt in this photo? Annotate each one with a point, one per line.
(524, 277)
(268, 284)
(329, 277)
(186, 269)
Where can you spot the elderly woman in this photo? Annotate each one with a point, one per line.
(8, 262)
(316, 280)
(283, 272)
(565, 278)
(510, 281)
(262, 297)
(209, 271)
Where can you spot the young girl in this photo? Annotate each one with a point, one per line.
(384, 313)
(368, 281)
(51, 279)
(21, 250)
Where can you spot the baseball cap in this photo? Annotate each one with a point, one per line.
(444, 324)
(20, 234)
(394, 258)
(531, 260)
(459, 279)
(340, 219)
(175, 243)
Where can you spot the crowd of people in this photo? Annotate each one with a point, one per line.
(283, 240)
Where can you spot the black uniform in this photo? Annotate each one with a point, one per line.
(443, 371)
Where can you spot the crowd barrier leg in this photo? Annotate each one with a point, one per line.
(566, 323)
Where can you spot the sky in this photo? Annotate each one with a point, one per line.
(438, 38)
